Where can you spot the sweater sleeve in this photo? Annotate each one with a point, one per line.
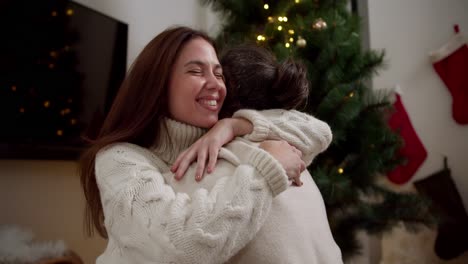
(147, 221)
(307, 133)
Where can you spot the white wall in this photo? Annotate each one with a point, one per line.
(45, 196)
(408, 31)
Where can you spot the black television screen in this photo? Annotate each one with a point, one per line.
(61, 64)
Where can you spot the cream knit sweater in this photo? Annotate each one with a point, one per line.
(150, 218)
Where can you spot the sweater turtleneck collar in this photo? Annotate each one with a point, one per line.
(175, 137)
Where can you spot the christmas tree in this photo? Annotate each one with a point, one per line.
(40, 95)
(325, 36)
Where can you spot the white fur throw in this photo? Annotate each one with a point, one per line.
(17, 246)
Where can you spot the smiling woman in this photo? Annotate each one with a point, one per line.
(197, 90)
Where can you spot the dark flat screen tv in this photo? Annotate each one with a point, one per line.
(61, 65)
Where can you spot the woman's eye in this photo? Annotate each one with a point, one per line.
(219, 76)
(195, 72)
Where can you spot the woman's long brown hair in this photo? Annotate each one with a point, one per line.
(136, 113)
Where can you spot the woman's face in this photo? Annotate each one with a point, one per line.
(196, 86)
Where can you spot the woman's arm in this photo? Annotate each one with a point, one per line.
(147, 221)
(305, 132)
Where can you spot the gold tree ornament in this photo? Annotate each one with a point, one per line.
(301, 42)
(319, 24)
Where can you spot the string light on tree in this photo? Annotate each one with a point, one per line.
(297, 1)
(70, 12)
(291, 39)
(291, 32)
(319, 24)
(287, 45)
(340, 170)
(46, 104)
(266, 6)
(261, 38)
(270, 19)
(65, 111)
(282, 19)
(280, 28)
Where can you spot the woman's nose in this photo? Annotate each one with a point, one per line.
(214, 82)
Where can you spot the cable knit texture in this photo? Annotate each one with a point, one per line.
(148, 221)
(308, 134)
(151, 218)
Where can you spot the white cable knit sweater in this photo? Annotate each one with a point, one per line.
(297, 229)
(150, 218)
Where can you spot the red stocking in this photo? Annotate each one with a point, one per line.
(451, 63)
(413, 150)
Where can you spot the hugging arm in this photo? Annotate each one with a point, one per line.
(308, 134)
(305, 132)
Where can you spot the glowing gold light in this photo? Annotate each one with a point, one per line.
(351, 94)
(291, 39)
(285, 19)
(65, 111)
(280, 19)
(70, 12)
(46, 104)
(287, 45)
(59, 132)
(266, 6)
(340, 170)
(280, 28)
(297, 1)
(291, 31)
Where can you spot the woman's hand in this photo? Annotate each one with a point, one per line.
(288, 156)
(208, 146)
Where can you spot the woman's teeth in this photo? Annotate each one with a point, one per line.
(209, 102)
